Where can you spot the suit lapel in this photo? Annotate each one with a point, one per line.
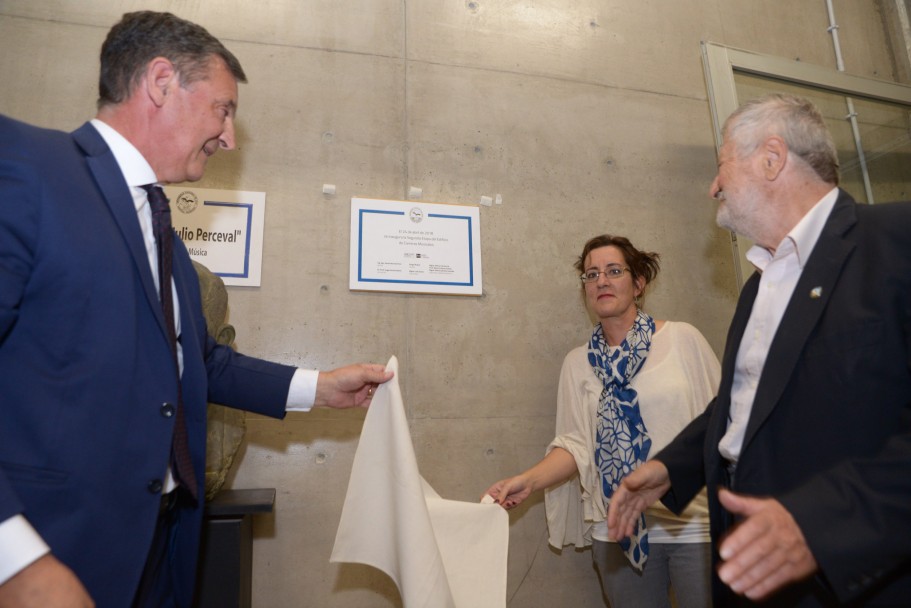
(809, 300)
(119, 200)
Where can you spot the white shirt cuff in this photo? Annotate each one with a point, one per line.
(302, 392)
(20, 545)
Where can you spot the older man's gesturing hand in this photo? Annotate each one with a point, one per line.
(636, 493)
(765, 551)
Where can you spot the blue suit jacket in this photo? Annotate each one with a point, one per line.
(830, 431)
(85, 366)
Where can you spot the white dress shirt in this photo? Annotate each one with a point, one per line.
(780, 273)
(20, 544)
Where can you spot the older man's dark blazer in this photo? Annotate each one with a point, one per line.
(830, 431)
(85, 366)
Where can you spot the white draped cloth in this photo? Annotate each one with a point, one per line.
(440, 553)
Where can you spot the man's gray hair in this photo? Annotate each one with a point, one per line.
(796, 120)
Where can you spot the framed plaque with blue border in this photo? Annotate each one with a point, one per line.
(414, 247)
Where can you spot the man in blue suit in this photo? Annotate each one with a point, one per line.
(91, 510)
(806, 451)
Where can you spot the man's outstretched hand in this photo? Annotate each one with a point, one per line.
(350, 386)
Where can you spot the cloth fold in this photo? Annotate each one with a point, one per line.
(440, 553)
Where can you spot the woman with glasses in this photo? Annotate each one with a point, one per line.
(622, 397)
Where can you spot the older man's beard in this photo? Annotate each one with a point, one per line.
(740, 213)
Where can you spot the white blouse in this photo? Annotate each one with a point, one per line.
(676, 383)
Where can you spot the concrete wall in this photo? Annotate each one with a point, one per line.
(587, 116)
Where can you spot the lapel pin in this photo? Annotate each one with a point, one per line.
(815, 293)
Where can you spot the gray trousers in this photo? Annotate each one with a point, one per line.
(679, 570)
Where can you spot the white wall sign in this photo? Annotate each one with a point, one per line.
(406, 246)
(222, 229)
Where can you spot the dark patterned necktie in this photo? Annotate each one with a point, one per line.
(164, 238)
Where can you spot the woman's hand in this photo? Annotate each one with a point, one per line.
(509, 493)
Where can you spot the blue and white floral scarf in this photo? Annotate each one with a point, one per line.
(621, 439)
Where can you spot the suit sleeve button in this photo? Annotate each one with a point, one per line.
(167, 410)
(155, 486)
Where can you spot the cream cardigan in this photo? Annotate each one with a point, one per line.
(676, 383)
